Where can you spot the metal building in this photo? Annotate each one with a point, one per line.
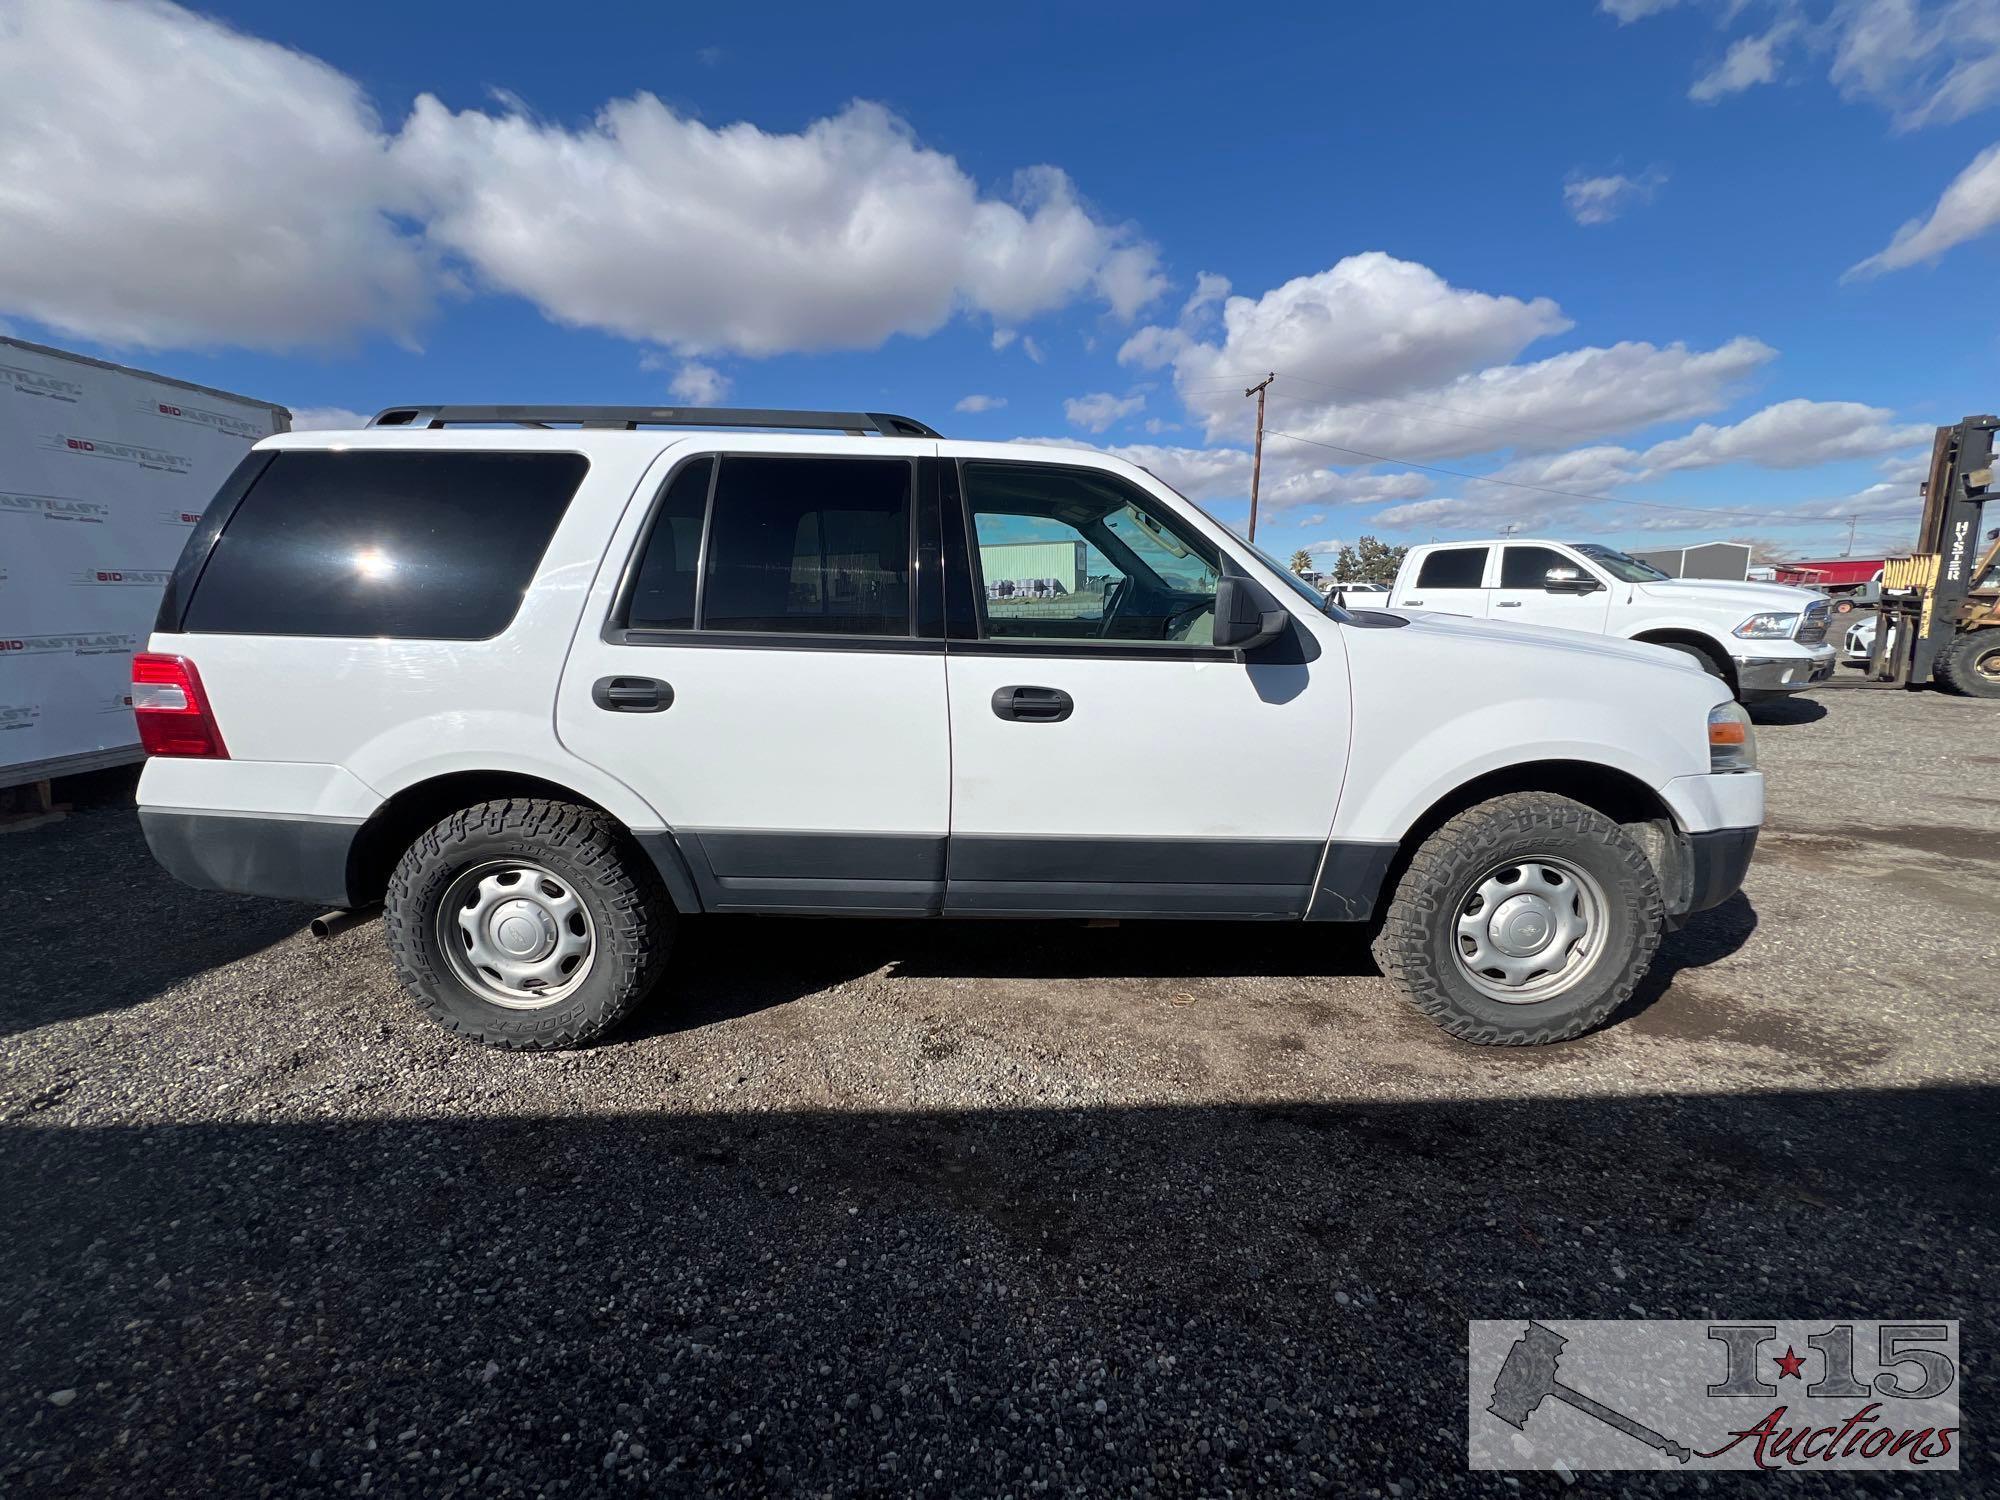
(1724, 560)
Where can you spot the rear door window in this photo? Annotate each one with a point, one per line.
(809, 546)
(420, 545)
(1453, 568)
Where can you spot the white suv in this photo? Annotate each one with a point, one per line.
(544, 690)
(1763, 639)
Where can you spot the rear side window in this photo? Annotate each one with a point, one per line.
(810, 546)
(1453, 568)
(1528, 567)
(433, 546)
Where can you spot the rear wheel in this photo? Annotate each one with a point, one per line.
(526, 923)
(1526, 919)
(1970, 665)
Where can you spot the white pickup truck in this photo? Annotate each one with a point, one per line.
(1763, 639)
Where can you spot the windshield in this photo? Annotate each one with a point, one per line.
(1618, 565)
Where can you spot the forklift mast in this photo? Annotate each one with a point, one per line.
(1924, 593)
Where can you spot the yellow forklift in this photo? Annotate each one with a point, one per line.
(1940, 613)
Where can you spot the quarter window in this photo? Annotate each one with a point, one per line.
(1075, 555)
(663, 593)
(1453, 568)
(809, 546)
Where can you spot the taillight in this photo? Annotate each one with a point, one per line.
(173, 712)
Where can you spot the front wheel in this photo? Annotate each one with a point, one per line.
(1970, 665)
(526, 924)
(1526, 919)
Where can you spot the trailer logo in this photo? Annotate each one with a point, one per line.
(141, 577)
(54, 508)
(179, 517)
(203, 417)
(128, 453)
(30, 383)
(19, 715)
(71, 645)
(1662, 1395)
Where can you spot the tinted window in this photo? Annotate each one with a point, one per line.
(1527, 567)
(663, 592)
(1453, 568)
(439, 546)
(1066, 554)
(811, 546)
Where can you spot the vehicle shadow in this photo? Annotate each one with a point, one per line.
(90, 923)
(1108, 1300)
(1797, 709)
(727, 967)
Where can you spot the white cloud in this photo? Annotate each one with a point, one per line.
(168, 181)
(1599, 200)
(327, 419)
(1371, 323)
(1326, 548)
(1789, 435)
(980, 403)
(1157, 425)
(697, 384)
(1628, 11)
(1032, 349)
(1209, 290)
(652, 225)
(1966, 209)
(1095, 412)
(1002, 337)
(1750, 60)
(1928, 64)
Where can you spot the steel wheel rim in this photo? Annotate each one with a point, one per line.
(1529, 929)
(516, 934)
(1987, 663)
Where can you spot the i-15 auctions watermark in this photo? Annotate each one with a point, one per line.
(1786, 1394)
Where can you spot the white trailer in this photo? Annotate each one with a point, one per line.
(103, 473)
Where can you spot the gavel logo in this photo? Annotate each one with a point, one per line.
(1528, 1376)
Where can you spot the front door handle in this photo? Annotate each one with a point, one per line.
(1506, 603)
(632, 695)
(1413, 602)
(1032, 705)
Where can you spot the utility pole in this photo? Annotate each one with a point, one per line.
(1852, 522)
(1257, 454)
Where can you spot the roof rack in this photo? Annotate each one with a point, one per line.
(629, 418)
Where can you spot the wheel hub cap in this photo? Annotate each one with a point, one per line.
(516, 934)
(1529, 929)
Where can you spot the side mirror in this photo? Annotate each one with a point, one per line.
(1245, 616)
(1569, 581)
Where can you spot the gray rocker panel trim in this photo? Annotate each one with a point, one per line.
(254, 854)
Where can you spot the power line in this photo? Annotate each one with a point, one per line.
(1740, 515)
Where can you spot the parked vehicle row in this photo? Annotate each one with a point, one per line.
(1763, 640)
(545, 691)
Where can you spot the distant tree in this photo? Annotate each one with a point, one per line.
(1764, 553)
(1302, 562)
(1368, 561)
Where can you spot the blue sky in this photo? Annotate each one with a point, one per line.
(1637, 252)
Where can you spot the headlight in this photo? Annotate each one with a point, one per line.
(1732, 745)
(1768, 627)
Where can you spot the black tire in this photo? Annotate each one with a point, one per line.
(630, 919)
(1970, 665)
(1417, 946)
(1707, 663)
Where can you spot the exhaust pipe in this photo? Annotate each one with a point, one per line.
(327, 923)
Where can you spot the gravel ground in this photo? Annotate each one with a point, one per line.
(945, 1209)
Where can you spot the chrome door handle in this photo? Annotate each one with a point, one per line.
(1507, 604)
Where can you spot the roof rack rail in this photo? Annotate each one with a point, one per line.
(629, 418)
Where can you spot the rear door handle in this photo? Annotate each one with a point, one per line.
(632, 695)
(1033, 705)
(1413, 602)
(1506, 603)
